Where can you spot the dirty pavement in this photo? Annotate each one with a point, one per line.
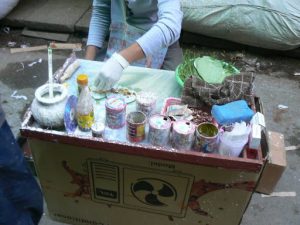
(277, 83)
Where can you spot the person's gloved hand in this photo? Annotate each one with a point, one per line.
(110, 73)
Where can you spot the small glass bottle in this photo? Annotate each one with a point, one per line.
(85, 108)
(82, 80)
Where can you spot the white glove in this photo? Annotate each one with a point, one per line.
(110, 73)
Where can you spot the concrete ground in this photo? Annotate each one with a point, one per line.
(275, 83)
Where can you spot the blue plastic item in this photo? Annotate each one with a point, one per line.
(232, 112)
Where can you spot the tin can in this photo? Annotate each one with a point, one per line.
(115, 112)
(207, 137)
(159, 130)
(146, 103)
(183, 135)
(136, 122)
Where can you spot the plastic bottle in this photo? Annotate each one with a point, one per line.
(85, 108)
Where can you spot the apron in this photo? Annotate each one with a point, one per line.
(122, 35)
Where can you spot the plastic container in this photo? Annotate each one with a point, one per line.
(168, 102)
(189, 66)
(98, 129)
(146, 103)
(232, 112)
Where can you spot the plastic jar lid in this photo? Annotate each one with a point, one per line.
(160, 122)
(98, 129)
(184, 127)
(82, 79)
(115, 103)
(146, 98)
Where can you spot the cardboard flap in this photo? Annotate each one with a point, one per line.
(277, 154)
(275, 164)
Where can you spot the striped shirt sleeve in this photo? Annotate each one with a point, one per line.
(99, 24)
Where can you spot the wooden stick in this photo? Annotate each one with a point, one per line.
(50, 72)
(28, 49)
(76, 46)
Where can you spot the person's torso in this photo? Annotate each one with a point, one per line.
(141, 13)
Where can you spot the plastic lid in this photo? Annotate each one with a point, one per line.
(115, 103)
(184, 127)
(146, 98)
(82, 79)
(98, 128)
(160, 122)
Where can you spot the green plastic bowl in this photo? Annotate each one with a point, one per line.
(178, 79)
(181, 82)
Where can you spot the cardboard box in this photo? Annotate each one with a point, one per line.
(88, 180)
(97, 181)
(275, 165)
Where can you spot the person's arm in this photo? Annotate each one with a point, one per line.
(99, 27)
(167, 29)
(132, 53)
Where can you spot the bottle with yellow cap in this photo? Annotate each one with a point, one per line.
(82, 80)
(84, 108)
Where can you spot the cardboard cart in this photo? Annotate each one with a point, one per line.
(97, 181)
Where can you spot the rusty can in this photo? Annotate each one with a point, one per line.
(115, 112)
(136, 122)
(207, 137)
(183, 135)
(159, 130)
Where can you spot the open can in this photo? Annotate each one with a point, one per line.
(136, 122)
(207, 137)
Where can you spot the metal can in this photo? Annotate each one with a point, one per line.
(183, 135)
(207, 137)
(136, 122)
(115, 112)
(159, 130)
